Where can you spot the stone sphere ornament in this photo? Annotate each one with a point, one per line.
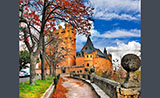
(92, 70)
(131, 63)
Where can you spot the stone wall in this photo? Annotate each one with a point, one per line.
(108, 86)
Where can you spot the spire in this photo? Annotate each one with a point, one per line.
(88, 47)
(89, 42)
(105, 52)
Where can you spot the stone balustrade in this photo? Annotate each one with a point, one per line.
(108, 86)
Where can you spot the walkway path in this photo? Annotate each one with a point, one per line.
(78, 89)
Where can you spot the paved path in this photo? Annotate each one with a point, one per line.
(78, 89)
(27, 79)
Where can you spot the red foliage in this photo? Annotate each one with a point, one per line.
(60, 90)
(115, 77)
(74, 12)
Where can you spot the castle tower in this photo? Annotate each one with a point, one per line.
(68, 36)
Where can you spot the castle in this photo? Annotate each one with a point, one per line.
(87, 57)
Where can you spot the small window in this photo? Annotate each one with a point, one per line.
(87, 56)
(91, 56)
(73, 42)
(86, 48)
(63, 32)
(68, 30)
(62, 48)
(87, 64)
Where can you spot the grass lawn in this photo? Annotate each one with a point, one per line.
(34, 91)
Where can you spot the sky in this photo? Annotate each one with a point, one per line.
(116, 26)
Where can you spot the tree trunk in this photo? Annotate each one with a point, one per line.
(54, 70)
(32, 69)
(42, 67)
(50, 69)
(43, 73)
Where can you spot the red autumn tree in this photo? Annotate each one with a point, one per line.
(39, 16)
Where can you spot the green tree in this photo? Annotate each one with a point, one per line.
(24, 58)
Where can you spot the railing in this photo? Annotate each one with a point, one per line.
(71, 67)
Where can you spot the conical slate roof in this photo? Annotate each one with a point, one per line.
(105, 52)
(100, 54)
(88, 47)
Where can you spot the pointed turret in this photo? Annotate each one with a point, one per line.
(88, 47)
(105, 52)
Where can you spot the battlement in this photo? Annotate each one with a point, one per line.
(68, 31)
(67, 26)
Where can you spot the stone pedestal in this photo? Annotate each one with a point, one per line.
(81, 76)
(128, 92)
(131, 81)
(91, 77)
(86, 77)
(131, 86)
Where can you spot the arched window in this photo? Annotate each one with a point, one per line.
(87, 64)
(87, 56)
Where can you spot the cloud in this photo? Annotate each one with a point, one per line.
(132, 45)
(110, 16)
(119, 33)
(122, 49)
(116, 9)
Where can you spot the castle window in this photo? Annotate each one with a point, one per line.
(63, 32)
(87, 64)
(91, 56)
(73, 42)
(87, 56)
(62, 48)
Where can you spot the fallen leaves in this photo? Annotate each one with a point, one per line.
(60, 90)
